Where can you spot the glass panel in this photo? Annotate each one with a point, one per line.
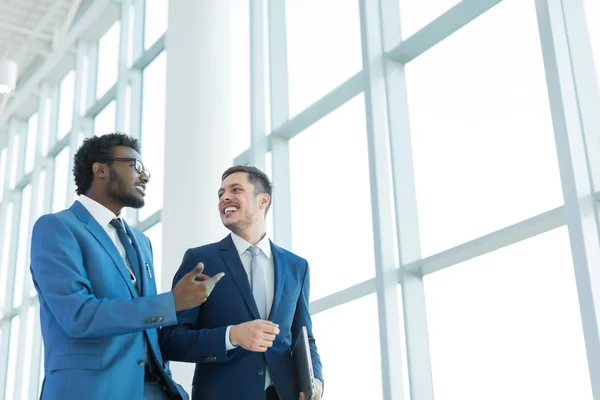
(41, 195)
(477, 124)
(6, 250)
(156, 19)
(506, 325)
(3, 157)
(23, 244)
(336, 331)
(131, 34)
(46, 126)
(13, 355)
(65, 109)
(127, 120)
(108, 59)
(32, 128)
(240, 78)
(85, 71)
(31, 316)
(269, 220)
(313, 201)
(15, 160)
(61, 180)
(105, 120)
(153, 132)
(155, 234)
(416, 14)
(592, 11)
(322, 54)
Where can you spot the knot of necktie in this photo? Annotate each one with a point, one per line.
(254, 250)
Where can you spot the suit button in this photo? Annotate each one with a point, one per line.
(141, 363)
(159, 319)
(260, 371)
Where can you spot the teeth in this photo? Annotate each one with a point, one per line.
(228, 209)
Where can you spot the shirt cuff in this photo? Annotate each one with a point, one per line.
(228, 345)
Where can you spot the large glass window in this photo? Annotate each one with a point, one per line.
(324, 48)
(350, 374)
(156, 20)
(32, 315)
(482, 135)
(108, 59)
(506, 325)
(15, 160)
(46, 128)
(3, 157)
(155, 234)
(416, 14)
(105, 120)
(337, 196)
(5, 246)
(592, 11)
(61, 180)
(32, 128)
(65, 110)
(23, 244)
(13, 356)
(153, 132)
(240, 78)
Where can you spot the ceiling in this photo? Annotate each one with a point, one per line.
(28, 28)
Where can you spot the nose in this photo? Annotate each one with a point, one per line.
(144, 177)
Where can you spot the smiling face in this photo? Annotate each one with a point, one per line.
(126, 186)
(240, 207)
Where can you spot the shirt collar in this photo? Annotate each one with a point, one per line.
(101, 214)
(242, 244)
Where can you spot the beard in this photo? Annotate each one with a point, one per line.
(240, 225)
(118, 191)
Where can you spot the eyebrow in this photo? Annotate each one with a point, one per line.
(221, 190)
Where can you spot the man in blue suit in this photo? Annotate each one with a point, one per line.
(94, 275)
(241, 339)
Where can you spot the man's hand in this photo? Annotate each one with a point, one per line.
(318, 393)
(194, 288)
(257, 335)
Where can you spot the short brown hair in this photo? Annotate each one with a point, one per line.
(259, 179)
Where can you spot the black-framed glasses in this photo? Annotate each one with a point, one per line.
(139, 167)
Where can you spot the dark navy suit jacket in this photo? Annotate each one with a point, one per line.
(200, 336)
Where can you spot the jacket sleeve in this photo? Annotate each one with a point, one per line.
(188, 342)
(302, 318)
(60, 277)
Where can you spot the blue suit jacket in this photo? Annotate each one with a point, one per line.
(200, 335)
(93, 321)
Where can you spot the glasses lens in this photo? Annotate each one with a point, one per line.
(139, 167)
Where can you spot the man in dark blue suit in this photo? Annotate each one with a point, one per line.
(241, 339)
(94, 275)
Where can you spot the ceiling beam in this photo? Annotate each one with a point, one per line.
(25, 31)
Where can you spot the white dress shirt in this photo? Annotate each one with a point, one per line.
(103, 216)
(268, 268)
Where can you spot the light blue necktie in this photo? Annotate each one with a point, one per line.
(258, 282)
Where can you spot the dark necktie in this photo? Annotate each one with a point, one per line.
(132, 255)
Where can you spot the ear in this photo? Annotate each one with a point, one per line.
(265, 200)
(99, 170)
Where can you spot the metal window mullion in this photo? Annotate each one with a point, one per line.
(382, 201)
(92, 76)
(138, 29)
(258, 138)
(279, 95)
(123, 76)
(573, 92)
(21, 127)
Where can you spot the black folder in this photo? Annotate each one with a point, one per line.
(303, 364)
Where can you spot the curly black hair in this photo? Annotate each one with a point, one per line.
(97, 149)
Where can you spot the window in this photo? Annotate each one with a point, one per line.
(108, 59)
(65, 110)
(156, 19)
(338, 198)
(61, 180)
(3, 157)
(155, 233)
(416, 14)
(336, 331)
(32, 315)
(13, 356)
(506, 325)
(46, 126)
(22, 266)
(240, 78)
(323, 48)
(592, 9)
(32, 128)
(482, 135)
(105, 120)
(153, 132)
(6, 251)
(15, 160)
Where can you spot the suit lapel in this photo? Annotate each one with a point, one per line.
(234, 264)
(142, 262)
(280, 267)
(98, 232)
